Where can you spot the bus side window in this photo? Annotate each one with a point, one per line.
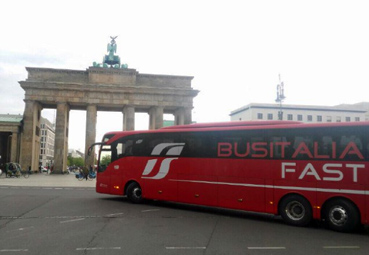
(324, 145)
(155, 142)
(343, 143)
(298, 143)
(279, 151)
(124, 148)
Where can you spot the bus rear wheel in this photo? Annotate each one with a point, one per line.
(341, 215)
(295, 210)
(134, 193)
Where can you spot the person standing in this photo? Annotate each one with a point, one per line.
(85, 172)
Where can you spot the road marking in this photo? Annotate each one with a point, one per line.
(114, 214)
(13, 250)
(66, 221)
(266, 248)
(341, 247)
(21, 229)
(151, 210)
(98, 248)
(185, 248)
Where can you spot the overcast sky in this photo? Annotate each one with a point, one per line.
(234, 49)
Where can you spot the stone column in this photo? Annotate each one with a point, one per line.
(152, 118)
(179, 116)
(156, 117)
(13, 150)
(91, 119)
(30, 148)
(187, 115)
(61, 138)
(128, 118)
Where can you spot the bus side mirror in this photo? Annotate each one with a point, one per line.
(91, 147)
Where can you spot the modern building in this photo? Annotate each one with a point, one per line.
(304, 113)
(75, 153)
(47, 142)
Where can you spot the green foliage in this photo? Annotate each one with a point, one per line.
(105, 160)
(75, 162)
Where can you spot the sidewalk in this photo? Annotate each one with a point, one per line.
(47, 180)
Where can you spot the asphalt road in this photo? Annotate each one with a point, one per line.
(77, 220)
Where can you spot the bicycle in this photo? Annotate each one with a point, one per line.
(91, 175)
(25, 173)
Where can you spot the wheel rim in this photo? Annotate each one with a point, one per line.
(338, 215)
(295, 210)
(136, 193)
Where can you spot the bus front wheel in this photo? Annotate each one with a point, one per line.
(134, 193)
(295, 210)
(341, 215)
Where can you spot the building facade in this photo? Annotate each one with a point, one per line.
(47, 142)
(303, 113)
(10, 136)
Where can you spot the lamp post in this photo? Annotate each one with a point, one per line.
(280, 97)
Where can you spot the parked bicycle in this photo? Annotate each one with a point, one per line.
(91, 176)
(25, 173)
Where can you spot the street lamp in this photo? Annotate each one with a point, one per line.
(280, 97)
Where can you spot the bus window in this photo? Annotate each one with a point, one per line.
(281, 147)
(105, 158)
(128, 147)
(344, 141)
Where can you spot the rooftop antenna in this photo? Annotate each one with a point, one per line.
(280, 97)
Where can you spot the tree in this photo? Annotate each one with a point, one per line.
(75, 161)
(105, 160)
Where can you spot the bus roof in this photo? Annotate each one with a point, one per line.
(233, 124)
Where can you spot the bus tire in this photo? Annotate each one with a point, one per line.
(134, 193)
(341, 215)
(295, 210)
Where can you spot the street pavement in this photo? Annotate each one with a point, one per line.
(47, 180)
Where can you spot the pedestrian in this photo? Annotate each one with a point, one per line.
(85, 172)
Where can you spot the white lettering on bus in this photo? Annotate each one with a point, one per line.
(309, 170)
(333, 170)
(264, 150)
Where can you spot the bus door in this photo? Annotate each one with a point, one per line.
(104, 170)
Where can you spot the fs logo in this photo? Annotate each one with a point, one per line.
(172, 149)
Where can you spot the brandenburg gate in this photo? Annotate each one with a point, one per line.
(99, 88)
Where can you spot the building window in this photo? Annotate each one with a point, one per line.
(289, 117)
(348, 119)
(338, 119)
(310, 117)
(260, 116)
(299, 117)
(357, 118)
(329, 118)
(270, 116)
(319, 118)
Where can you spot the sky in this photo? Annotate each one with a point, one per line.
(235, 50)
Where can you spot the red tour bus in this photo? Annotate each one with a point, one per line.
(299, 171)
